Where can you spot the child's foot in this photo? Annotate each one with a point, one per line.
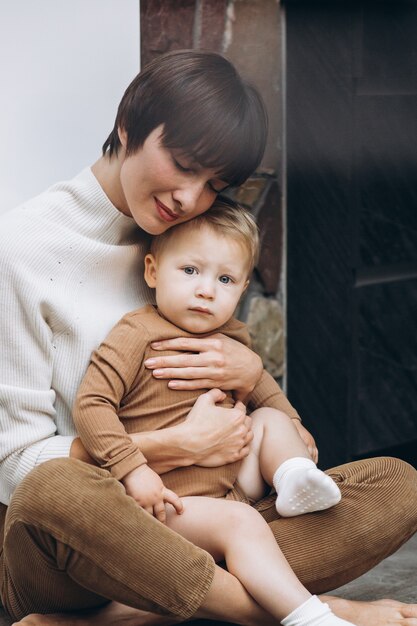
(314, 613)
(303, 488)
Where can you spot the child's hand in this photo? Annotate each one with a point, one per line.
(146, 487)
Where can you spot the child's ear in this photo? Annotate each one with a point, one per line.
(150, 270)
(246, 285)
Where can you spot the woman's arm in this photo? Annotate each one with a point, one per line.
(214, 362)
(27, 413)
(210, 436)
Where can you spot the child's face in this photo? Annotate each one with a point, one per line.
(199, 277)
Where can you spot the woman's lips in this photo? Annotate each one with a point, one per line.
(165, 213)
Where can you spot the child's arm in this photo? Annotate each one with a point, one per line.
(267, 392)
(146, 487)
(111, 372)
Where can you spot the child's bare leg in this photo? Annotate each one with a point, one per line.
(279, 457)
(237, 533)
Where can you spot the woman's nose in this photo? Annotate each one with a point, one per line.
(189, 196)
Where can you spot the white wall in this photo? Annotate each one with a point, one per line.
(64, 65)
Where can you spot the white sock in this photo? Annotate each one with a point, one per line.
(302, 488)
(314, 612)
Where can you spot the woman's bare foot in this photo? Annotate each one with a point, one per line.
(376, 613)
(113, 614)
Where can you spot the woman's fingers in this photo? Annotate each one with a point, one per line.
(188, 343)
(187, 373)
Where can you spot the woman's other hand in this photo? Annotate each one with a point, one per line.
(216, 361)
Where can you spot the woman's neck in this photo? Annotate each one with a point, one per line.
(107, 172)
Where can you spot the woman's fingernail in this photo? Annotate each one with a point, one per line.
(150, 362)
(155, 344)
(158, 372)
(172, 384)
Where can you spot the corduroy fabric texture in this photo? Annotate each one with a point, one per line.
(73, 539)
(118, 396)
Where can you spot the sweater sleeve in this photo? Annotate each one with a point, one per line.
(268, 393)
(112, 370)
(27, 413)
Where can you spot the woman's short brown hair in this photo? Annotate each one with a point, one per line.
(208, 111)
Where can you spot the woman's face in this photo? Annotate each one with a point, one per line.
(162, 188)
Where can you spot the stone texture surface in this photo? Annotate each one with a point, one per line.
(262, 196)
(165, 25)
(248, 32)
(210, 24)
(266, 326)
(271, 230)
(253, 44)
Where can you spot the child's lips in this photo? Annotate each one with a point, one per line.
(201, 309)
(165, 212)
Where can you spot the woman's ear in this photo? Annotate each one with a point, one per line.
(150, 270)
(122, 136)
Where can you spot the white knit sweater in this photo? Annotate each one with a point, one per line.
(71, 265)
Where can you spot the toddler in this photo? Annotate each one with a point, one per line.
(199, 270)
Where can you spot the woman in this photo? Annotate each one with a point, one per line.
(186, 128)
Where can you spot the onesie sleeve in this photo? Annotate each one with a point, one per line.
(27, 413)
(112, 370)
(267, 392)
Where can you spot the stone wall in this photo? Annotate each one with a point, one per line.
(248, 32)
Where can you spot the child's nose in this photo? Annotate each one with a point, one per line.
(205, 290)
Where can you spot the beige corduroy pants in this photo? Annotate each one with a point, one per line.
(73, 540)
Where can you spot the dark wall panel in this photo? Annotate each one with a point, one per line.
(352, 223)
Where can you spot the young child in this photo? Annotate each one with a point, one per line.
(199, 271)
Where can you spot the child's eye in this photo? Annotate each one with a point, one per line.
(189, 270)
(225, 280)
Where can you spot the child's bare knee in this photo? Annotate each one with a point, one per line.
(261, 417)
(242, 516)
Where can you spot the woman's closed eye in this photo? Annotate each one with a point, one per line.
(182, 167)
(217, 185)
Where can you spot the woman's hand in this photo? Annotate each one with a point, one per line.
(216, 435)
(308, 440)
(210, 436)
(146, 487)
(216, 361)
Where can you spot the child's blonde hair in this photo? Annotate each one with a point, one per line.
(228, 219)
